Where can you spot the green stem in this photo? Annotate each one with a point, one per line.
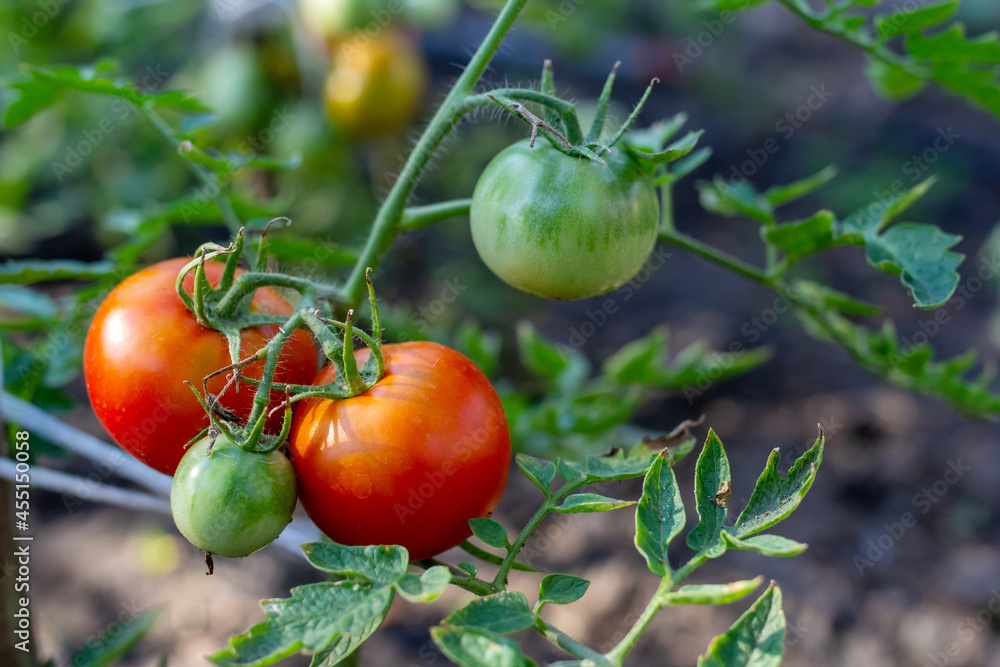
(705, 251)
(567, 643)
(386, 225)
(656, 602)
(207, 177)
(460, 578)
(874, 49)
(248, 283)
(667, 207)
(262, 397)
(500, 581)
(418, 217)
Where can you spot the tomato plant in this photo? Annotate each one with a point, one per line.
(230, 502)
(376, 84)
(561, 226)
(408, 462)
(144, 344)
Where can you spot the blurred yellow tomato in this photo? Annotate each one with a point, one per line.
(376, 84)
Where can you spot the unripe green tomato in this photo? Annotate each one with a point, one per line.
(231, 502)
(563, 227)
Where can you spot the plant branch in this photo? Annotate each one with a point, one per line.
(715, 256)
(387, 220)
(418, 217)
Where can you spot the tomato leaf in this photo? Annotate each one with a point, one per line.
(775, 546)
(913, 20)
(116, 640)
(779, 195)
(561, 589)
(539, 471)
(537, 354)
(475, 647)
(711, 488)
(501, 613)
(580, 503)
(490, 532)
(659, 516)
(329, 620)
(24, 271)
(734, 199)
(425, 587)
(775, 497)
(892, 81)
(755, 640)
(378, 564)
(712, 593)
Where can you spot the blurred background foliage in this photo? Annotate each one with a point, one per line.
(88, 180)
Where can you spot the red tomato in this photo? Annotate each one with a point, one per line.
(408, 462)
(144, 343)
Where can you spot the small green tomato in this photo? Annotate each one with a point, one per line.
(563, 227)
(231, 502)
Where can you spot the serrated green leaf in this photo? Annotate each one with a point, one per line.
(951, 45)
(734, 199)
(659, 516)
(620, 463)
(711, 490)
(501, 613)
(780, 195)
(380, 564)
(425, 587)
(537, 354)
(652, 139)
(580, 503)
(116, 640)
(20, 272)
(89, 79)
(674, 151)
(686, 165)
(561, 589)
(802, 238)
(482, 347)
(571, 471)
(830, 299)
(490, 532)
(756, 640)
(775, 497)
(32, 98)
(468, 567)
(892, 81)
(327, 619)
(921, 255)
(474, 647)
(914, 20)
(775, 546)
(539, 471)
(637, 360)
(713, 594)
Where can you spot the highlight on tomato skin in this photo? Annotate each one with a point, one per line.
(408, 462)
(143, 344)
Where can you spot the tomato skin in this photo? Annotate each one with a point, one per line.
(408, 462)
(231, 502)
(376, 84)
(144, 343)
(562, 227)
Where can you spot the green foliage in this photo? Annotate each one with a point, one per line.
(330, 620)
(967, 67)
(115, 641)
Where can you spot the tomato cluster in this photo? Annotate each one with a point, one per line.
(410, 461)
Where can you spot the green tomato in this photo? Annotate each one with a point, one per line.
(229, 501)
(563, 227)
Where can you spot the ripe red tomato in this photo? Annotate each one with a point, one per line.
(408, 462)
(144, 343)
